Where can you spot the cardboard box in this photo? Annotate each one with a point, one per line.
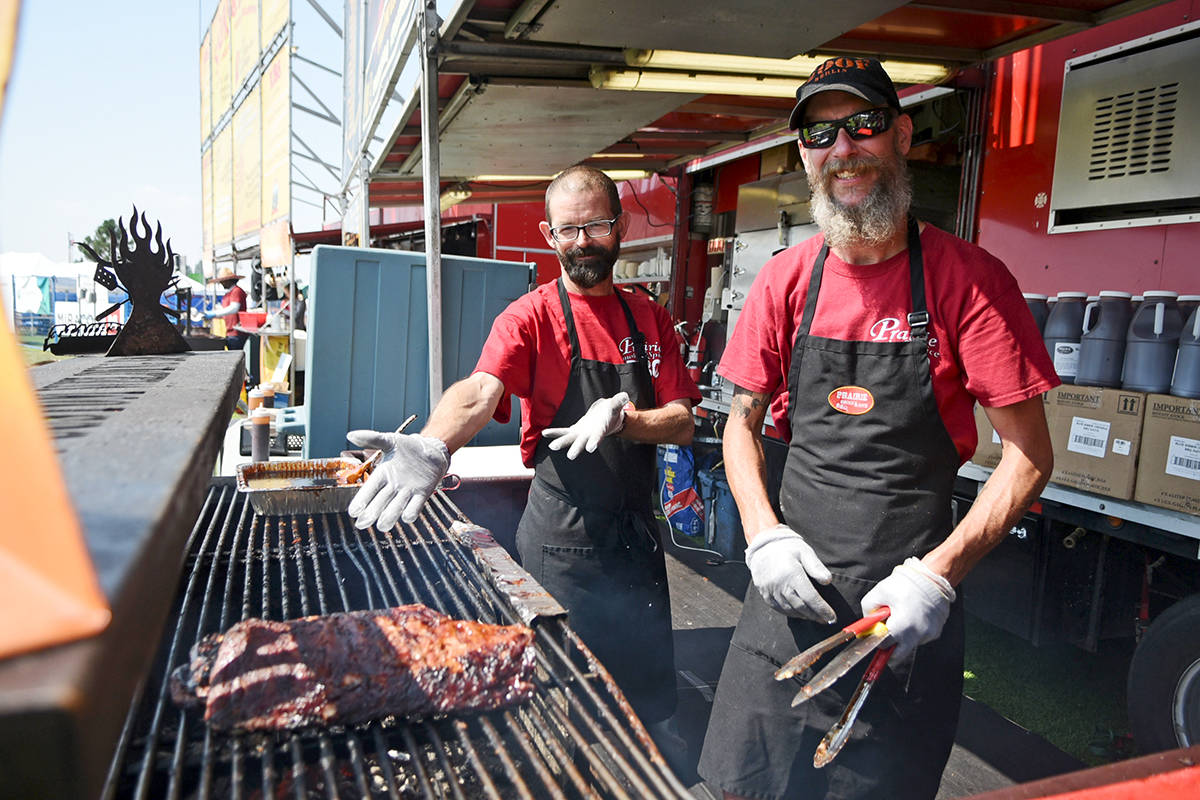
(1169, 468)
(1096, 434)
(987, 452)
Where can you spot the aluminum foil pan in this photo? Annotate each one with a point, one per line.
(322, 495)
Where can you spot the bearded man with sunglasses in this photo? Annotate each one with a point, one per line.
(870, 345)
(603, 382)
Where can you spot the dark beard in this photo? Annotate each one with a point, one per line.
(877, 218)
(585, 274)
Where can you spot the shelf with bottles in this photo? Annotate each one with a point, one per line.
(646, 266)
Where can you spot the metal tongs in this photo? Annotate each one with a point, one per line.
(864, 636)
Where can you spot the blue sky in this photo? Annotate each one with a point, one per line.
(102, 112)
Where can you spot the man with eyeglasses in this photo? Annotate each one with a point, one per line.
(870, 345)
(603, 382)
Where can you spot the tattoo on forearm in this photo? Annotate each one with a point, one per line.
(746, 402)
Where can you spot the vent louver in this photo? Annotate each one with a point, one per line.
(1125, 112)
(1132, 133)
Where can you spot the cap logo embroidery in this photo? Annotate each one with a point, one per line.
(838, 65)
(853, 400)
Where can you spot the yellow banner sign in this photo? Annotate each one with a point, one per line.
(247, 165)
(274, 17)
(222, 187)
(276, 138)
(206, 209)
(206, 86)
(244, 38)
(222, 80)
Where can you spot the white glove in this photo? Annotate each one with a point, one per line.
(784, 567)
(410, 468)
(603, 418)
(920, 601)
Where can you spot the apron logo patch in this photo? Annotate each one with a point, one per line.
(853, 400)
(653, 354)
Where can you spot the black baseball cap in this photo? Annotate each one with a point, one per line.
(859, 76)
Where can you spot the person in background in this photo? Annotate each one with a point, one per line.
(870, 344)
(283, 316)
(233, 301)
(301, 315)
(603, 383)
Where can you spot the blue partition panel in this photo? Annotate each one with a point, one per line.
(368, 349)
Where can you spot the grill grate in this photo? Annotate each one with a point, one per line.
(576, 738)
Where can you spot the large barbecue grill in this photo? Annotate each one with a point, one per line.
(577, 737)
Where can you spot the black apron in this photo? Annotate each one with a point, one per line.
(589, 536)
(866, 490)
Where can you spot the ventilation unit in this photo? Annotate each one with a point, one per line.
(1128, 134)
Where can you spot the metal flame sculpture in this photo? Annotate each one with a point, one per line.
(144, 271)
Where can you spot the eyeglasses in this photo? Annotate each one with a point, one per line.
(861, 125)
(596, 229)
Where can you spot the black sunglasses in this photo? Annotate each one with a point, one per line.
(860, 125)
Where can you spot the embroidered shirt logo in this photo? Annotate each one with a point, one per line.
(653, 354)
(852, 400)
(891, 329)
(888, 330)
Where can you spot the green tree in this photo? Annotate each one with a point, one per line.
(100, 241)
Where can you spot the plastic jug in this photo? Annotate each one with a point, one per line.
(1064, 328)
(1187, 304)
(1102, 346)
(1186, 382)
(1152, 343)
(1037, 307)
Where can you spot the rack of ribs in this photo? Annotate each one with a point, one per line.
(351, 667)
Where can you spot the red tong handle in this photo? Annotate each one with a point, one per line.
(878, 662)
(866, 623)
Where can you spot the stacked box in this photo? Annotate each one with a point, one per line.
(1169, 469)
(1096, 434)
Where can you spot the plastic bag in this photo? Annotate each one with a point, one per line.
(681, 502)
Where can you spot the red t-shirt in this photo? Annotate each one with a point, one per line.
(235, 295)
(529, 350)
(983, 342)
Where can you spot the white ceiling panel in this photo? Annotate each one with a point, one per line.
(767, 28)
(539, 130)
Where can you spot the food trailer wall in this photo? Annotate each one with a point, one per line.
(1021, 137)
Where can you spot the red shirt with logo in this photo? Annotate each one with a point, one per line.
(529, 350)
(235, 295)
(983, 343)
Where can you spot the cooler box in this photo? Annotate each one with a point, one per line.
(367, 359)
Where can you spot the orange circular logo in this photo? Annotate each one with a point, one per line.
(851, 400)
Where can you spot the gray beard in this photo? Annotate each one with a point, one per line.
(875, 220)
(585, 275)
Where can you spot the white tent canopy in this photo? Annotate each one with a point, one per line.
(37, 264)
(20, 266)
(16, 268)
